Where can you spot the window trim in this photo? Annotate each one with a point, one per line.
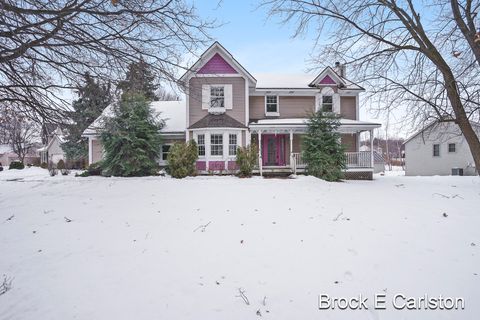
(433, 150)
(272, 114)
(204, 145)
(211, 144)
(322, 104)
(230, 145)
(454, 147)
(210, 106)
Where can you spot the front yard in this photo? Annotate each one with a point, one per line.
(160, 248)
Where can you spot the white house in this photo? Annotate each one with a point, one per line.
(439, 149)
(53, 151)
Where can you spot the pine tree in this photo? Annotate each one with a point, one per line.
(322, 151)
(93, 98)
(131, 138)
(139, 80)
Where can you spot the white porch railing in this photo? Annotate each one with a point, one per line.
(362, 159)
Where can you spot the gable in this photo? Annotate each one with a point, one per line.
(327, 80)
(217, 65)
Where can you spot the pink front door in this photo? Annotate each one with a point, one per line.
(273, 149)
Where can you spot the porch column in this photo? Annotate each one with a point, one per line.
(371, 149)
(260, 152)
(291, 150)
(90, 151)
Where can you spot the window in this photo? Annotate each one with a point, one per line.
(232, 144)
(165, 151)
(216, 144)
(271, 104)
(327, 103)
(436, 150)
(217, 97)
(451, 147)
(201, 144)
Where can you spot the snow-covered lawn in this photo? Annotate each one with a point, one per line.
(159, 248)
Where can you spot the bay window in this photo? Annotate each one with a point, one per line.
(216, 144)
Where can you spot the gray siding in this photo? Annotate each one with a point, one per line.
(289, 107)
(195, 97)
(348, 109)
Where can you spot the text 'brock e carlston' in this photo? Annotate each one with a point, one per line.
(399, 301)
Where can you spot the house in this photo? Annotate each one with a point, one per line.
(439, 149)
(227, 107)
(52, 150)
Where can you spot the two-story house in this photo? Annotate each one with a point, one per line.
(227, 107)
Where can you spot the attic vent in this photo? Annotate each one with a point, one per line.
(291, 91)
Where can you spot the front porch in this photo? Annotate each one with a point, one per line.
(279, 144)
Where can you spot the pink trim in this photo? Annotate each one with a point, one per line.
(216, 165)
(232, 165)
(217, 65)
(327, 80)
(201, 165)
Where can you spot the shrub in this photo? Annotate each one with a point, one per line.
(16, 165)
(44, 165)
(247, 158)
(322, 150)
(60, 164)
(95, 169)
(182, 158)
(1, 167)
(131, 138)
(52, 171)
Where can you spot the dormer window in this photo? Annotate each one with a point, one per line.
(217, 97)
(271, 106)
(327, 103)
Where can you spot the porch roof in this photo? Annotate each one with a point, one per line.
(300, 125)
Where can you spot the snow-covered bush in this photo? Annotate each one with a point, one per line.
(247, 158)
(182, 158)
(16, 165)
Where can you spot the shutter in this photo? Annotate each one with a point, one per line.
(205, 96)
(228, 96)
(336, 103)
(318, 101)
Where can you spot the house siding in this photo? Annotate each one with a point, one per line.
(348, 108)
(289, 107)
(419, 159)
(195, 97)
(350, 142)
(97, 150)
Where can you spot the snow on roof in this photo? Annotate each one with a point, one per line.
(172, 112)
(5, 148)
(278, 80)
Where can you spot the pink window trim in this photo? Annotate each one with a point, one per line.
(217, 65)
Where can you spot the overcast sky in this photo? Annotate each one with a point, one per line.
(265, 45)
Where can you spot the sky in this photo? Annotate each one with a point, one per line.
(265, 45)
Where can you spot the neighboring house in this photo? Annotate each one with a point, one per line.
(52, 151)
(439, 149)
(7, 156)
(227, 107)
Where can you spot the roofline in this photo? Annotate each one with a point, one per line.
(207, 51)
(474, 123)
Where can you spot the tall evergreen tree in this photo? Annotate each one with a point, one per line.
(322, 150)
(93, 98)
(139, 79)
(131, 138)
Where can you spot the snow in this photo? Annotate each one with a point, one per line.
(173, 112)
(160, 248)
(279, 80)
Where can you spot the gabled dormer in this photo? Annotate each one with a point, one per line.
(217, 84)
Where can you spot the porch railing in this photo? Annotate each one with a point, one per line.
(360, 159)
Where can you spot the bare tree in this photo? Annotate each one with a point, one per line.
(426, 64)
(21, 132)
(47, 45)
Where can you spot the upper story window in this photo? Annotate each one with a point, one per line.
(436, 150)
(327, 103)
(452, 147)
(201, 145)
(271, 105)
(217, 97)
